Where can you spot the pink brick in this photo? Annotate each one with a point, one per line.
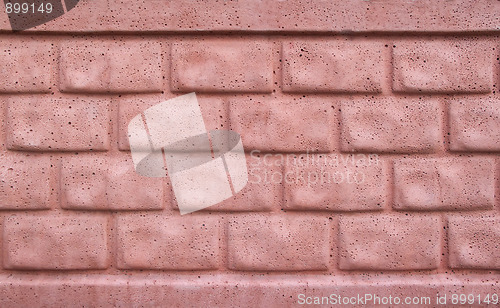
(474, 124)
(222, 66)
(473, 242)
(391, 125)
(278, 243)
(296, 124)
(49, 242)
(46, 124)
(264, 189)
(119, 66)
(389, 242)
(26, 66)
(444, 184)
(336, 182)
(100, 183)
(214, 111)
(332, 66)
(26, 182)
(160, 242)
(443, 66)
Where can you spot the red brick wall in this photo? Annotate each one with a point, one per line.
(396, 101)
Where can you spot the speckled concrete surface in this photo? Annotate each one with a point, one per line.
(372, 139)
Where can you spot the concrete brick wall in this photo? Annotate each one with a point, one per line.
(372, 132)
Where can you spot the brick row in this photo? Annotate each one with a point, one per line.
(254, 242)
(335, 182)
(447, 65)
(369, 125)
(267, 124)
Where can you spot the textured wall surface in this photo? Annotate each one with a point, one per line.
(373, 137)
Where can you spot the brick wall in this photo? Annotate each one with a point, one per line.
(373, 137)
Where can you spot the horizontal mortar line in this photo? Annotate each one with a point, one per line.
(277, 96)
(225, 279)
(320, 213)
(414, 155)
(377, 212)
(265, 33)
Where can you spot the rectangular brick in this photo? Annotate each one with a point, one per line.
(389, 242)
(161, 242)
(26, 182)
(332, 66)
(278, 243)
(45, 124)
(474, 242)
(452, 66)
(107, 183)
(263, 191)
(55, 242)
(474, 124)
(222, 66)
(296, 124)
(444, 184)
(126, 66)
(26, 66)
(214, 111)
(391, 125)
(335, 182)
